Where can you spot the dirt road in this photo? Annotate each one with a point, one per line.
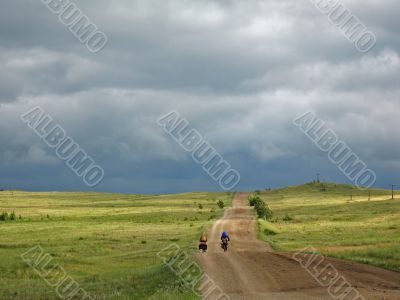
(250, 270)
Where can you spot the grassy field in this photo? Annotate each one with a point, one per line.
(335, 223)
(108, 243)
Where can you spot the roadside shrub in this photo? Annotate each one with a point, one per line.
(221, 204)
(262, 209)
(252, 199)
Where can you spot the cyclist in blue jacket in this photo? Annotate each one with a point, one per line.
(225, 239)
(225, 235)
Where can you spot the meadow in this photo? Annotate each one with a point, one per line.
(108, 243)
(340, 221)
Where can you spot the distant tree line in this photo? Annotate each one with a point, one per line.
(5, 216)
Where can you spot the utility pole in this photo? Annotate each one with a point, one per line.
(393, 185)
(318, 177)
(369, 196)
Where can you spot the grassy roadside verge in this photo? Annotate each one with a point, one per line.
(338, 220)
(108, 243)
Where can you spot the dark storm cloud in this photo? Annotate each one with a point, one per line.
(239, 71)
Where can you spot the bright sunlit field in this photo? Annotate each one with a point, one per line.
(336, 223)
(108, 243)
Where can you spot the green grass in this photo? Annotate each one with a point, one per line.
(267, 228)
(336, 225)
(108, 243)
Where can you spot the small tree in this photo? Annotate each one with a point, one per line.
(221, 204)
(4, 216)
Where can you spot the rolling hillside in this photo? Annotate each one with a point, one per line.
(338, 220)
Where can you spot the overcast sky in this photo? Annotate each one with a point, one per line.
(238, 70)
